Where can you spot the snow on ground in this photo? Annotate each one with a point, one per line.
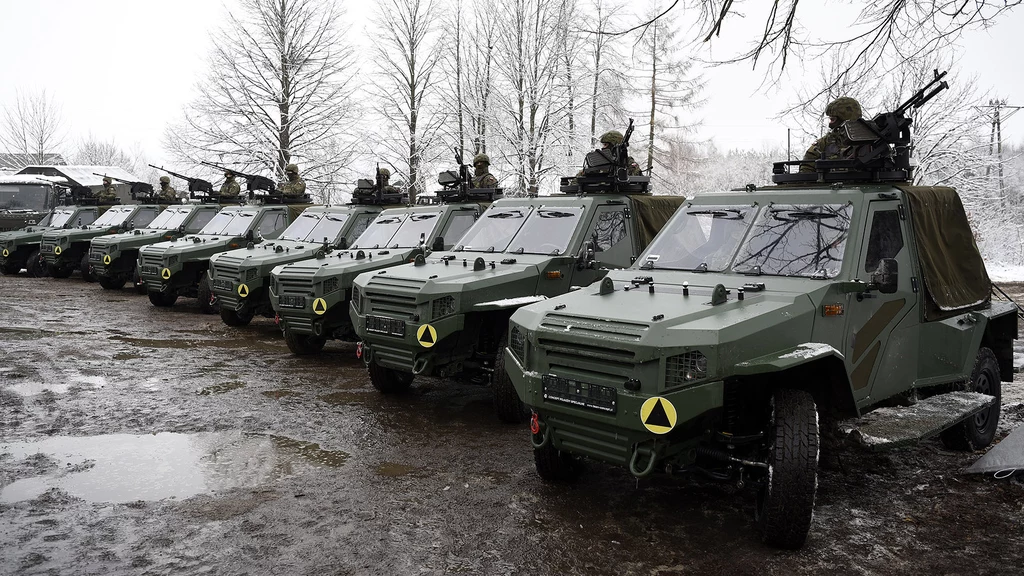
(1005, 272)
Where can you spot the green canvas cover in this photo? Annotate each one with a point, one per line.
(954, 273)
(652, 212)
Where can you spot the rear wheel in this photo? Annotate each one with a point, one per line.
(979, 430)
(163, 299)
(553, 465)
(388, 380)
(85, 269)
(507, 405)
(207, 299)
(111, 282)
(34, 265)
(304, 345)
(785, 504)
(235, 318)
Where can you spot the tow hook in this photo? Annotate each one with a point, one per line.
(635, 460)
(541, 434)
(359, 350)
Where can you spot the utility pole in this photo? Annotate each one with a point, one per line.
(996, 108)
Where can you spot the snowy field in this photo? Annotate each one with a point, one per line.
(1005, 272)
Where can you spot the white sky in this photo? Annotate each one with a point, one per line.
(123, 69)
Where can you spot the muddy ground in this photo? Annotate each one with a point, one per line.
(137, 440)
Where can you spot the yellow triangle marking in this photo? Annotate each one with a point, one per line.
(106, 259)
(320, 306)
(426, 335)
(243, 290)
(165, 273)
(658, 415)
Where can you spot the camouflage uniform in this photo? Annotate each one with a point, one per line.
(834, 145)
(611, 139)
(167, 192)
(385, 176)
(482, 177)
(294, 187)
(108, 193)
(230, 188)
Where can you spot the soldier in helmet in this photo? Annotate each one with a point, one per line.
(482, 177)
(167, 193)
(294, 187)
(611, 139)
(108, 193)
(385, 176)
(834, 145)
(230, 188)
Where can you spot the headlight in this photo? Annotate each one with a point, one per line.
(517, 344)
(442, 307)
(357, 299)
(172, 260)
(250, 274)
(686, 368)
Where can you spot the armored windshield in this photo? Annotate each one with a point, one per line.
(328, 228)
(219, 222)
(170, 219)
(416, 227)
(45, 220)
(699, 238)
(797, 240)
(239, 224)
(24, 197)
(381, 231)
(114, 216)
(495, 229)
(301, 227)
(61, 217)
(546, 231)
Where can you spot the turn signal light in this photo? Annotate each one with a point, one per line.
(554, 275)
(832, 310)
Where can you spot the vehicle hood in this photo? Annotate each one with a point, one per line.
(130, 240)
(30, 234)
(76, 234)
(191, 244)
(267, 254)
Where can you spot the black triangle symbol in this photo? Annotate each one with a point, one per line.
(658, 416)
(244, 291)
(318, 306)
(427, 336)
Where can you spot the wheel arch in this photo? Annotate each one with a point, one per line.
(1000, 332)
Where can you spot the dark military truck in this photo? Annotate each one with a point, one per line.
(113, 259)
(447, 313)
(239, 278)
(754, 313)
(25, 201)
(311, 297)
(64, 251)
(20, 248)
(178, 267)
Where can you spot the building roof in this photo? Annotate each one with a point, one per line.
(82, 175)
(18, 161)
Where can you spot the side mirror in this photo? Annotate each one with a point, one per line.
(585, 257)
(885, 278)
(343, 243)
(438, 245)
(249, 236)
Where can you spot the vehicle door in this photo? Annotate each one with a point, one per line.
(612, 244)
(459, 222)
(272, 224)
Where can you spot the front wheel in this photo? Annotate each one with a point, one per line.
(112, 282)
(235, 318)
(85, 269)
(979, 430)
(389, 381)
(208, 303)
(507, 405)
(556, 466)
(34, 265)
(785, 503)
(138, 283)
(304, 345)
(10, 268)
(163, 299)
(57, 271)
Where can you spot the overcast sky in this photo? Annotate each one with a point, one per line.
(124, 68)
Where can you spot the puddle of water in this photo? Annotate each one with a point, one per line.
(127, 356)
(394, 470)
(36, 388)
(341, 398)
(212, 342)
(15, 333)
(127, 468)
(278, 394)
(221, 388)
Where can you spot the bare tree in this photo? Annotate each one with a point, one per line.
(33, 127)
(606, 69)
(94, 152)
(278, 91)
(405, 83)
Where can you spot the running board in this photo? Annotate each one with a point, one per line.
(892, 427)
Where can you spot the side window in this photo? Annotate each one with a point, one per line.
(271, 223)
(144, 217)
(885, 239)
(611, 237)
(85, 217)
(458, 225)
(361, 224)
(201, 219)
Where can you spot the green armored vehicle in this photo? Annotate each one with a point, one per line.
(63, 251)
(113, 259)
(754, 313)
(311, 297)
(447, 314)
(24, 201)
(20, 248)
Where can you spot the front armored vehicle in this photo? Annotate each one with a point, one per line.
(311, 297)
(755, 315)
(447, 314)
(20, 248)
(64, 251)
(178, 267)
(113, 259)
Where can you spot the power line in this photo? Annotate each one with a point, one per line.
(995, 108)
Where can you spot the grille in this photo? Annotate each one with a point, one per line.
(442, 307)
(392, 295)
(152, 260)
(600, 329)
(517, 343)
(172, 260)
(685, 368)
(96, 255)
(251, 273)
(296, 280)
(357, 298)
(331, 285)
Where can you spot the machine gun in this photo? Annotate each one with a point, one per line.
(880, 147)
(253, 182)
(458, 186)
(376, 192)
(138, 189)
(194, 184)
(68, 195)
(607, 170)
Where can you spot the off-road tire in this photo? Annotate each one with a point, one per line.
(56, 272)
(111, 282)
(785, 504)
(138, 284)
(10, 268)
(389, 381)
(553, 465)
(208, 303)
(35, 268)
(507, 405)
(83, 267)
(233, 318)
(979, 430)
(163, 299)
(304, 345)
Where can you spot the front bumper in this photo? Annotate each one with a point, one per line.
(422, 348)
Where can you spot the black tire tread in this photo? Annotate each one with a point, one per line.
(387, 380)
(205, 294)
(34, 268)
(553, 465)
(111, 283)
(303, 345)
(965, 436)
(507, 405)
(162, 299)
(233, 318)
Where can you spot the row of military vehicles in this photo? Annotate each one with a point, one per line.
(718, 336)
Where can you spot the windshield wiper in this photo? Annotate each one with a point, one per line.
(800, 215)
(554, 214)
(514, 214)
(730, 213)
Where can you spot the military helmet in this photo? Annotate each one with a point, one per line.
(481, 158)
(292, 168)
(384, 172)
(613, 137)
(844, 108)
(107, 180)
(229, 174)
(165, 180)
